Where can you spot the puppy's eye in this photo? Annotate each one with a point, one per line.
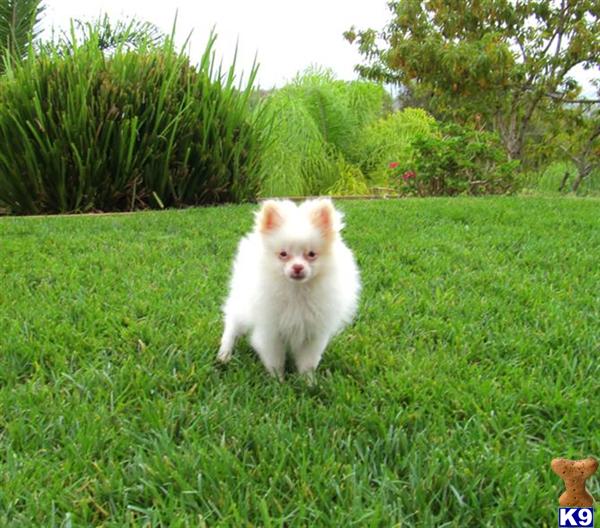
(283, 254)
(311, 255)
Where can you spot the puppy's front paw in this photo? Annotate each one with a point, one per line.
(277, 373)
(224, 355)
(309, 377)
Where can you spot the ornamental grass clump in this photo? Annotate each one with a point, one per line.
(84, 129)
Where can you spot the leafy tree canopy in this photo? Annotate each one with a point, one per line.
(496, 58)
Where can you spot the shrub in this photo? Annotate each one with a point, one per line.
(340, 109)
(81, 129)
(317, 122)
(390, 140)
(296, 161)
(461, 160)
(351, 181)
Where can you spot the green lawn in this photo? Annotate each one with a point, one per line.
(474, 361)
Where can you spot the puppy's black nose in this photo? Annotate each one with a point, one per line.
(297, 268)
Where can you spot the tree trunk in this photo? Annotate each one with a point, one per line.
(582, 174)
(563, 183)
(577, 182)
(507, 128)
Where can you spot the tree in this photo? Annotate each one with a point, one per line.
(497, 59)
(19, 25)
(582, 145)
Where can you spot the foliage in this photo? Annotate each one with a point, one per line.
(317, 121)
(473, 362)
(83, 130)
(581, 143)
(296, 160)
(554, 178)
(19, 26)
(492, 58)
(319, 146)
(559, 178)
(124, 34)
(367, 101)
(351, 181)
(339, 108)
(326, 101)
(571, 133)
(391, 139)
(590, 186)
(462, 160)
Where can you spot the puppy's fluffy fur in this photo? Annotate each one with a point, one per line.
(295, 284)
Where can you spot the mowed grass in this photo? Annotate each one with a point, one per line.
(475, 360)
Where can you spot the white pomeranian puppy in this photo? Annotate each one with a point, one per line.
(295, 284)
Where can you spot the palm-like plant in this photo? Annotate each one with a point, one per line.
(19, 25)
(109, 35)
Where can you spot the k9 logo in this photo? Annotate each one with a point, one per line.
(569, 517)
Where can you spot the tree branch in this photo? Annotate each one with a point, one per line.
(563, 98)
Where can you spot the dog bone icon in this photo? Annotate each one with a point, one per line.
(575, 473)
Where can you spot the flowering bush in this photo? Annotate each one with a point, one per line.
(404, 181)
(391, 139)
(462, 160)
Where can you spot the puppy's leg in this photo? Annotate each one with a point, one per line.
(271, 350)
(232, 331)
(308, 356)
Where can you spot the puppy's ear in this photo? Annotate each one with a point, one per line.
(325, 217)
(269, 218)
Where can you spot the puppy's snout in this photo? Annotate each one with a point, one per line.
(297, 268)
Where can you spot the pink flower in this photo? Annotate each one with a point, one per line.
(409, 175)
(393, 164)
